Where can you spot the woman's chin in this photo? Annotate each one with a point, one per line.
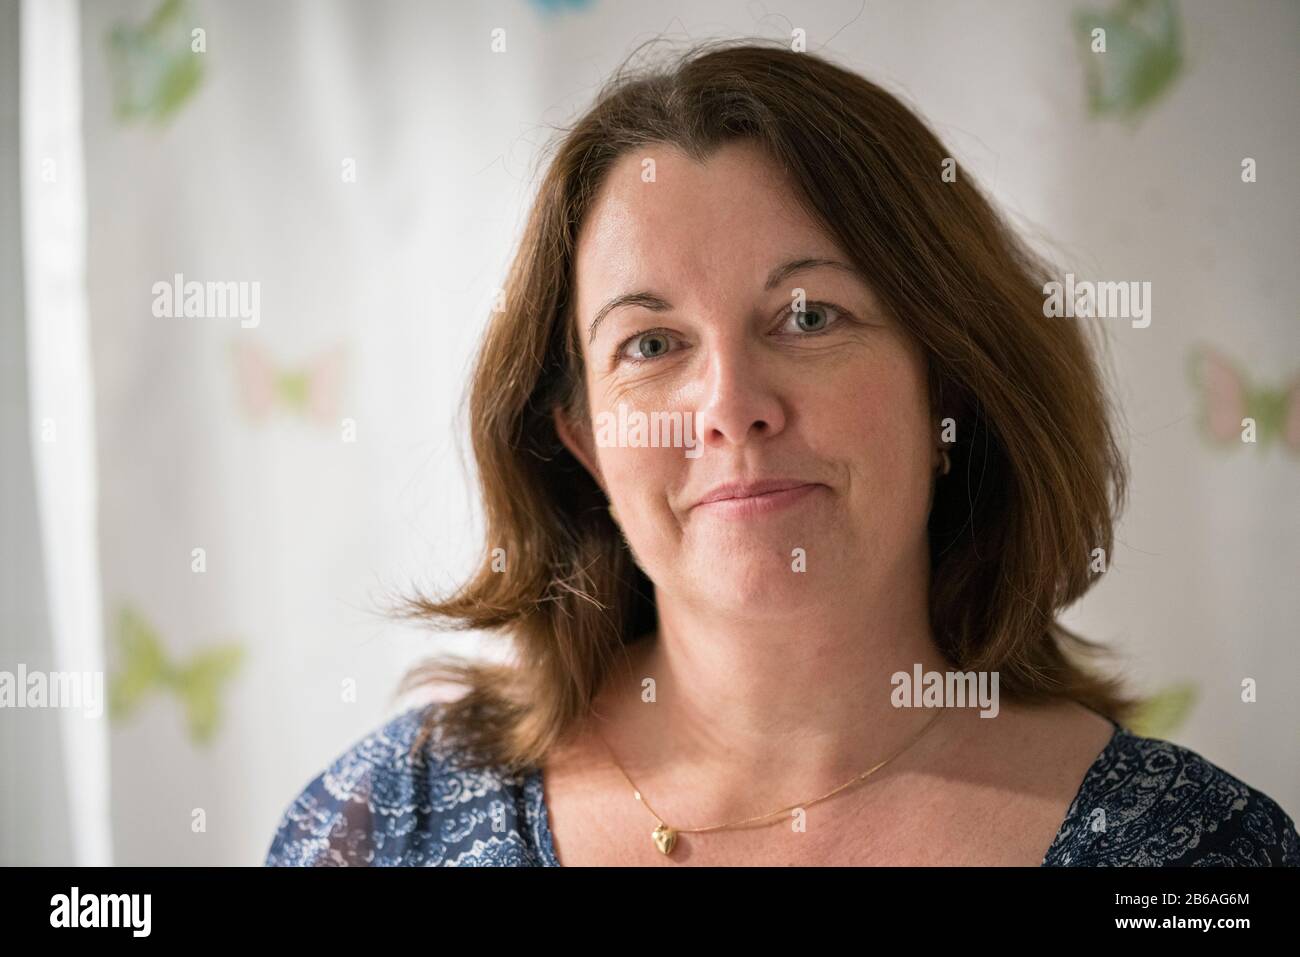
(767, 586)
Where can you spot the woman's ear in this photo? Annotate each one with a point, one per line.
(577, 441)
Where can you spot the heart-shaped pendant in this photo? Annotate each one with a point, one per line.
(665, 838)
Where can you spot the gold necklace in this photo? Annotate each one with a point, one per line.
(665, 836)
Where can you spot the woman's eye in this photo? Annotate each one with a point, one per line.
(815, 317)
(646, 345)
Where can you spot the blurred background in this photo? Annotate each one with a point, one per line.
(211, 511)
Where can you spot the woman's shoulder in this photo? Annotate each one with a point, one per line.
(392, 799)
(1149, 802)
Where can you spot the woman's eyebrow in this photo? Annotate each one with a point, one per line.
(642, 298)
(787, 269)
(649, 300)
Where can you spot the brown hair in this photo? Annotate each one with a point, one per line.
(1036, 479)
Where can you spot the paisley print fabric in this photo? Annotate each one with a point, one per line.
(1143, 802)
(383, 804)
(1151, 803)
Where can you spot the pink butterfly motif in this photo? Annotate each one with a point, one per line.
(313, 391)
(1227, 397)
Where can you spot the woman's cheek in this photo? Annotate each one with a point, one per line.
(880, 425)
(635, 475)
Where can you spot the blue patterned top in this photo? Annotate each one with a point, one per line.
(1144, 801)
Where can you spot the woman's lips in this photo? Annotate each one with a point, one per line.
(760, 499)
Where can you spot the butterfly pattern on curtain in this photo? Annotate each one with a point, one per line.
(1227, 398)
(312, 392)
(1143, 55)
(153, 66)
(147, 669)
(557, 6)
(1164, 712)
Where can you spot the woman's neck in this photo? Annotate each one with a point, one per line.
(739, 715)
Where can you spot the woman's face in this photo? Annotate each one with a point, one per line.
(830, 403)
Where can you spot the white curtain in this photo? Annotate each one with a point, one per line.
(56, 760)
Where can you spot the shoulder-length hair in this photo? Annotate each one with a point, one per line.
(1036, 482)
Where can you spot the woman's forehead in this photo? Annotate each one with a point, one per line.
(658, 194)
(731, 218)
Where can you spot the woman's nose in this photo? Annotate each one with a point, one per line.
(741, 401)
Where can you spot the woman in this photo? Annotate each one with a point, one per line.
(880, 462)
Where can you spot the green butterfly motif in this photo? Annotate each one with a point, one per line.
(153, 69)
(146, 669)
(1225, 397)
(1143, 58)
(1164, 712)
